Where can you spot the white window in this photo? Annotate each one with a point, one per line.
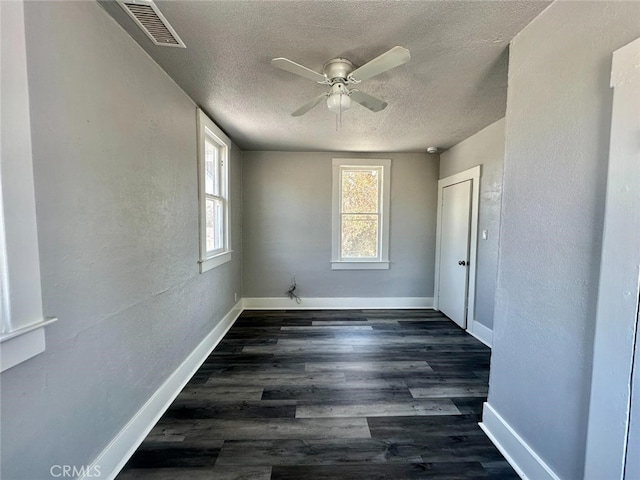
(360, 223)
(213, 174)
(22, 325)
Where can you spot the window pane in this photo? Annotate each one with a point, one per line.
(359, 236)
(212, 169)
(360, 190)
(209, 224)
(218, 237)
(214, 224)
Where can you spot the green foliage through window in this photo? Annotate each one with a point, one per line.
(360, 211)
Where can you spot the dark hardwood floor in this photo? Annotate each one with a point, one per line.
(349, 394)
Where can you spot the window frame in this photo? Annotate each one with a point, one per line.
(22, 323)
(381, 262)
(207, 130)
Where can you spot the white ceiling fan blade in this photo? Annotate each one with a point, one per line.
(292, 67)
(309, 105)
(372, 103)
(388, 60)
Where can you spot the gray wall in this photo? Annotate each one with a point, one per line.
(116, 195)
(287, 227)
(485, 148)
(557, 140)
(619, 291)
(633, 459)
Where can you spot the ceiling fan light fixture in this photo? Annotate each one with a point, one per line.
(339, 100)
(338, 73)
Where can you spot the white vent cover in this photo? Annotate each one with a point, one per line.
(147, 16)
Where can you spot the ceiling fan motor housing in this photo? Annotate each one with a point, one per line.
(337, 69)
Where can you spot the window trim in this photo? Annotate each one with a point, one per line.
(208, 129)
(382, 262)
(22, 324)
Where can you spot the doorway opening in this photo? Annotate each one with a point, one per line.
(456, 246)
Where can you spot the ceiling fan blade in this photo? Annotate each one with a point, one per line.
(309, 105)
(292, 67)
(372, 103)
(388, 60)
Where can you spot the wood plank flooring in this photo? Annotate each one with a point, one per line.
(340, 395)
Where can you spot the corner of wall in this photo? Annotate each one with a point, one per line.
(516, 451)
(481, 332)
(116, 454)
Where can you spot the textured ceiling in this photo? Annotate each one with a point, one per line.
(454, 85)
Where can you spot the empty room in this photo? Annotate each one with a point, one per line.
(319, 239)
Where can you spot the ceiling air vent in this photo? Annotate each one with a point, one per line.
(147, 16)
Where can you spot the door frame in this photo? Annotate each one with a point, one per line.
(616, 342)
(472, 174)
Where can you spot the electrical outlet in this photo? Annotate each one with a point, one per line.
(293, 279)
(485, 234)
(235, 297)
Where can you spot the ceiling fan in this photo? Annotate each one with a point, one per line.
(339, 74)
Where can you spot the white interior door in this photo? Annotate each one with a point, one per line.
(454, 251)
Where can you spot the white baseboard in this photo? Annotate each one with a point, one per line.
(521, 456)
(111, 460)
(481, 332)
(328, 303)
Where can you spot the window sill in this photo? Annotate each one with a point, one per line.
(215, 261)
(336, 265)
(21, 345)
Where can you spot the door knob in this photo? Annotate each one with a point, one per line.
(462, 262)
